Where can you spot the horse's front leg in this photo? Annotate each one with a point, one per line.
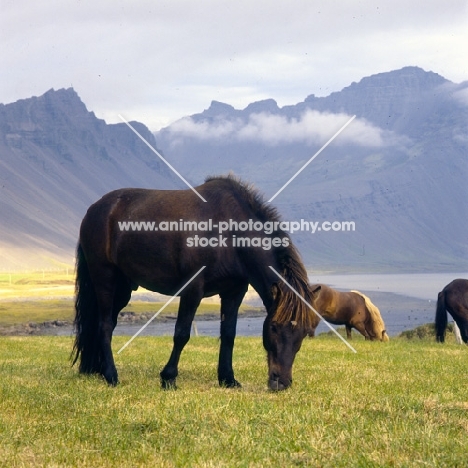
(348, 331)
(189, 303)
(230, 304)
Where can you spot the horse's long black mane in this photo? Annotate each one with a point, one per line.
(289, 306)
(250, 196)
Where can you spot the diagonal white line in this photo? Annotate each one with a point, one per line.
(313, 310)
(312, 158)
(161, 309)
(157, 153)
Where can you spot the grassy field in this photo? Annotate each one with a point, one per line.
(403, 403)
(41, 284)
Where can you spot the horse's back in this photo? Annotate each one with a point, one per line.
(151, 236)
(138, 204)
(457, 286)
(224, 197)
(456, 295)
(328, 302)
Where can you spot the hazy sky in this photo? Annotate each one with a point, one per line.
(157, 61)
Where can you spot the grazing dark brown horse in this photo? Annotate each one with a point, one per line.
(454, 300)
(352, 309)
(112, 262)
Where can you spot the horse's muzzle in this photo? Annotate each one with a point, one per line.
(276, 384)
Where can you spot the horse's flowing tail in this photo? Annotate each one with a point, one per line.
(86, 322)
(376, 319)
(441, 318)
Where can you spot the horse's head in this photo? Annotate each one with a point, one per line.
(281, 341)
(283, 333)
(376, 334)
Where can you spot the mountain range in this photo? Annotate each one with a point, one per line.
(57, 158)
(398, 170)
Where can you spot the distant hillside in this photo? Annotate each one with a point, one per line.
(56, 158)
(398, 171)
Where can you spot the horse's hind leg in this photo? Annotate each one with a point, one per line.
(464, 331)
(361, 328)
(106, 287)
(189, 302)
(230, 303)
(122, 295)
(462, 326)
(458, 310)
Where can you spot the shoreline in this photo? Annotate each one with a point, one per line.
(126, 318)
(399, 312)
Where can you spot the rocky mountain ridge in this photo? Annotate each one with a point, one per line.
(398, 171)
(56, 158)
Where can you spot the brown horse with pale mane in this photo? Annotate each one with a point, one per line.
(352, 309)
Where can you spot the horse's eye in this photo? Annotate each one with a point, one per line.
(273, 328)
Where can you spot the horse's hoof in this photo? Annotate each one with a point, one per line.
(112, 379)
(169, 384)
(230, 383)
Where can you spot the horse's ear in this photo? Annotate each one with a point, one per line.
(316, 290)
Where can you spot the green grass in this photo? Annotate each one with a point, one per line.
(36, 284)
(18, 312)
(402, 403)
(427, 331)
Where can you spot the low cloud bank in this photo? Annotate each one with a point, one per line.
(311, 128)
